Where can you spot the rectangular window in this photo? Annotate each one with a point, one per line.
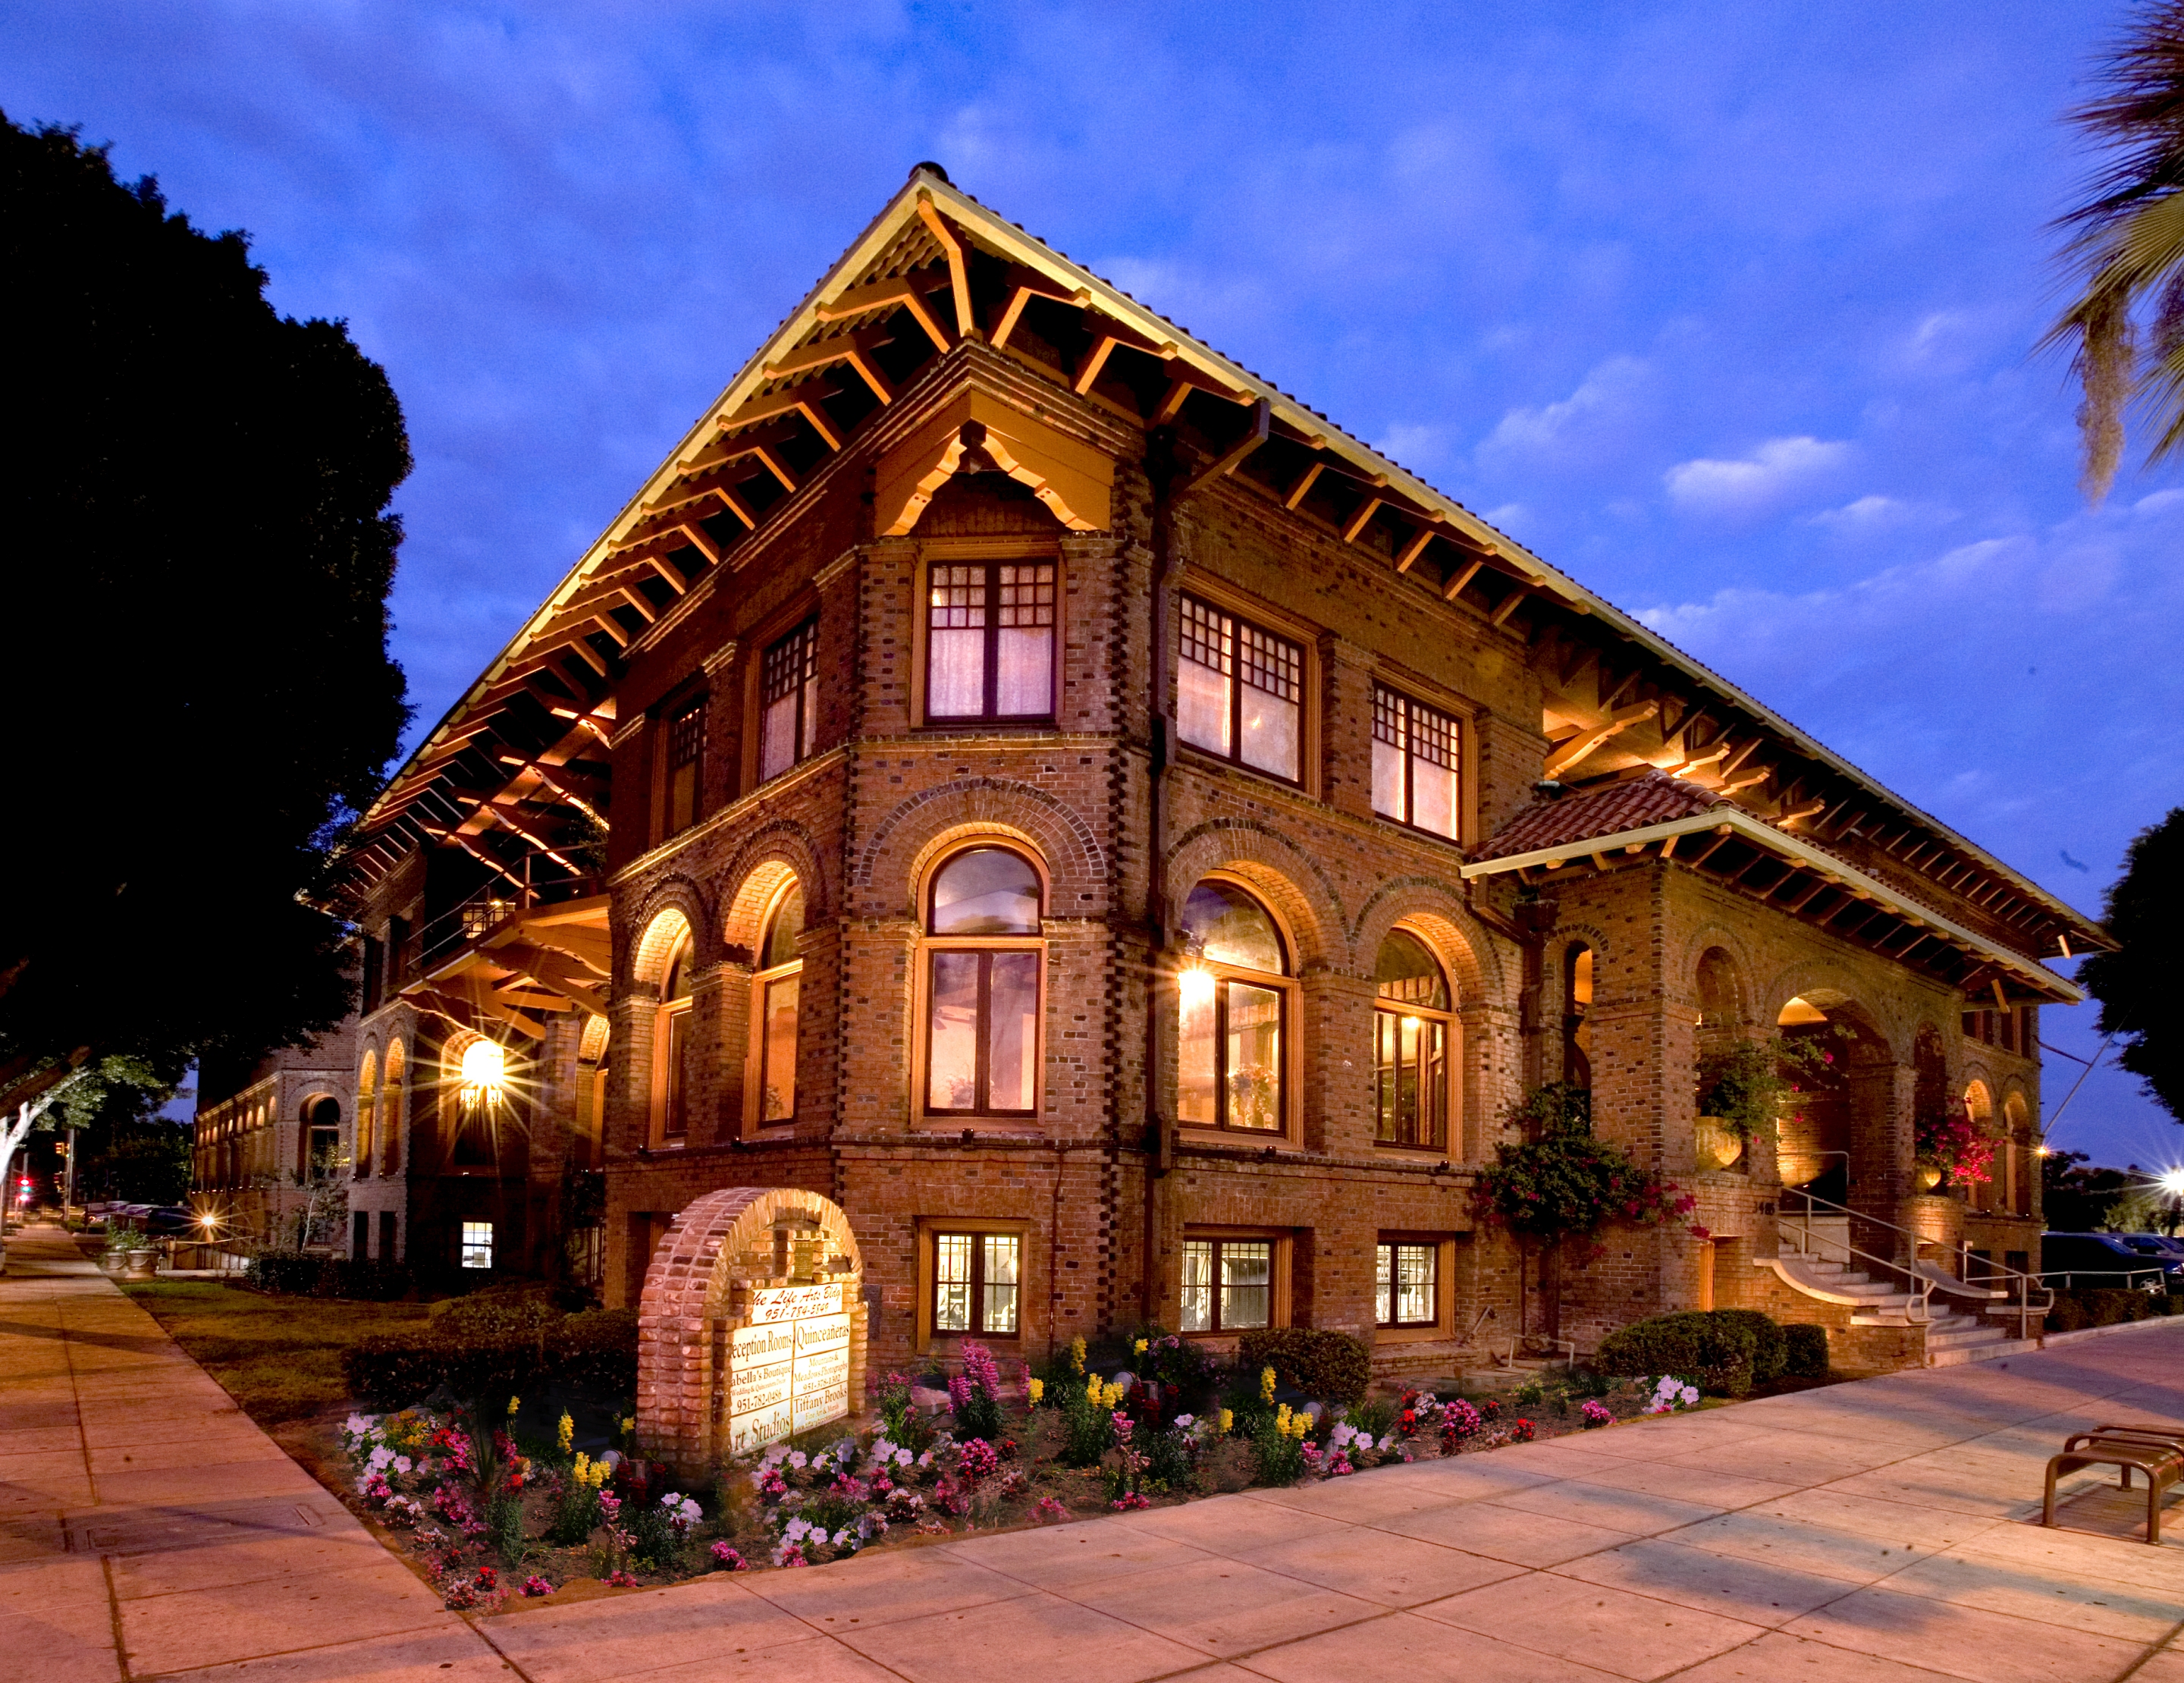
(1406, 1284)
(686, 745)
(982, 1027)
(1228, 1284)
(375, 960)
(989, 641)
(1240, 692)
(788, 689)
(477, 1244)
(777, 1052)
(1230, 1054)
(676, 1121)
(975, 1278)
(1410, 1079)
(1415, 764)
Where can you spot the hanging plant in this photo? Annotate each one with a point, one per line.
(1947, 1138)
(1749, 1084)
(1565, 1184)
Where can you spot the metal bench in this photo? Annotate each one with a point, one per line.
(2158, 1452)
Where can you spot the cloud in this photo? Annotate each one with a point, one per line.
(1591, 420)
(1419, 448)
(1873, 513)
(1775, 471)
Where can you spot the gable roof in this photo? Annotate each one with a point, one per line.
(936, 267)
(1656, 798)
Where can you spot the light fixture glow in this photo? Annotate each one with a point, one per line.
(1196, 987)
(484, 1071)
(1411, 1024)
(2172, 1183)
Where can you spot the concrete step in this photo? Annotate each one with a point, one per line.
(1957, 1355)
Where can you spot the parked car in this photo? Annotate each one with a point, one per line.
(2093, 1260)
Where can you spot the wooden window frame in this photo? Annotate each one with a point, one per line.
(1281, 1262)
(1193, 595)
(806, 626)
(669, 1017)
(755, 1118)
(921, 990)
(1451, 1083)
(1290, 1069)
(1443, 1325)
(979, 1240)
(988, 718)
(1459, 752)
(971, 552)
(1029, 1241)
(682, 747)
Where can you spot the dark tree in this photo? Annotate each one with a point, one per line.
(2145, 914)
(200, 550)
(2076, 1197)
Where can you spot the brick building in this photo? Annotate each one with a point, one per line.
(1130, 845)
(281, 1126)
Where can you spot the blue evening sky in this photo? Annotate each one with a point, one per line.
(1727, 309)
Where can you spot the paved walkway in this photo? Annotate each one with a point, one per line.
(1861, 1532)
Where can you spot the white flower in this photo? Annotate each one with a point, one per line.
(798, 1458)
(1184, 1422)
(883, 1451)
(902, 1457)
(356, 1425)
(402, 1463)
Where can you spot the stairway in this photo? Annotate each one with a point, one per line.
(1952, 1337)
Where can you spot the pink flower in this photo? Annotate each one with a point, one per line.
(537, 1585)
(727, 1560)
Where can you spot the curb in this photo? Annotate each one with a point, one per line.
(2056, 1338)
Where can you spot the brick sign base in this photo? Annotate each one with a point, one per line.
(752, 1325)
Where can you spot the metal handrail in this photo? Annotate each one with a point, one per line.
(1919, 1288)
(2023, 1307)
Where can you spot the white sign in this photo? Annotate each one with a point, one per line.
(788, 1370)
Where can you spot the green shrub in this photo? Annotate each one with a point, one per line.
(514, 1310)
(1331, 1366)
(297, 1274)
(1806, 1351)
(2077, 1309)
(595, 1350)
(1727, 1351)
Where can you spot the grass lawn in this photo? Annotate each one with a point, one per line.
(279, 1357)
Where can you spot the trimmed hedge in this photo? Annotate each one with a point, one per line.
(2103, 1307)
(1331, 1366)
(1807, 1350)
(1727, 1351)
(595, 1350)
(297, 1274)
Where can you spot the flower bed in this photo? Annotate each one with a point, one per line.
(494, 1522)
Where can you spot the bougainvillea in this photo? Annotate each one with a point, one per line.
(1950, 1140)
(1567, 1185)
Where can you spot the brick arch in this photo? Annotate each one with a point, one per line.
(1076, 865)
(1290, 879)
(1683, 968)
(1436, 908)
(1833, 989)
(719, 1242)
(751, 886)
(672, 909)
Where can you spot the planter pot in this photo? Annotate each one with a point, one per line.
(1929, 1177)
(113, 1263)
(142, 1265)
(1718, 1144)
(1797, 1169)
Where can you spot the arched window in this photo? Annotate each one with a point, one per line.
(393, 1107)
(319, 1139)
(2015, 1162)
(1234, 1000)
(774, 991)
(1412, 1031)
(983, 972)
(1576, 1010)
(1718, 989)
(670, 1043)
(367, 1111)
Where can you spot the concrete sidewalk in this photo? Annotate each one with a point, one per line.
(148, 1529)
(1860, 1532)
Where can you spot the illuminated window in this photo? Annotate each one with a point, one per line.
(989, 641)
(1412, 1030)
(788, 692)
(774, 990)
(1240, 692)
(1233, 1001)
(975, 1283)
(1415, 764)
(477, 1244)
(982, 985)
(1577, 1012)
(1406, 1284)
(1228, 1284)
(671, 1048)
(686, 748)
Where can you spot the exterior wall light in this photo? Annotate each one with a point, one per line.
(485, 1073)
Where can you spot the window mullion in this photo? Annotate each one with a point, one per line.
(1220, 1068)
(982, 1096)
(991, 692)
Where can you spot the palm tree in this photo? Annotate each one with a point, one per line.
(2126, 244)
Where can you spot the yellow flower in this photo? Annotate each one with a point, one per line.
(1140, 1347)
(1092, 1386)
(513, 1403)
(629, 1423)
(567, 1434)
(1266, 1385)
(1228, 1421)
(1077, 1354)
(581, 1472)
(1113, 1398)
(1038, 1389)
